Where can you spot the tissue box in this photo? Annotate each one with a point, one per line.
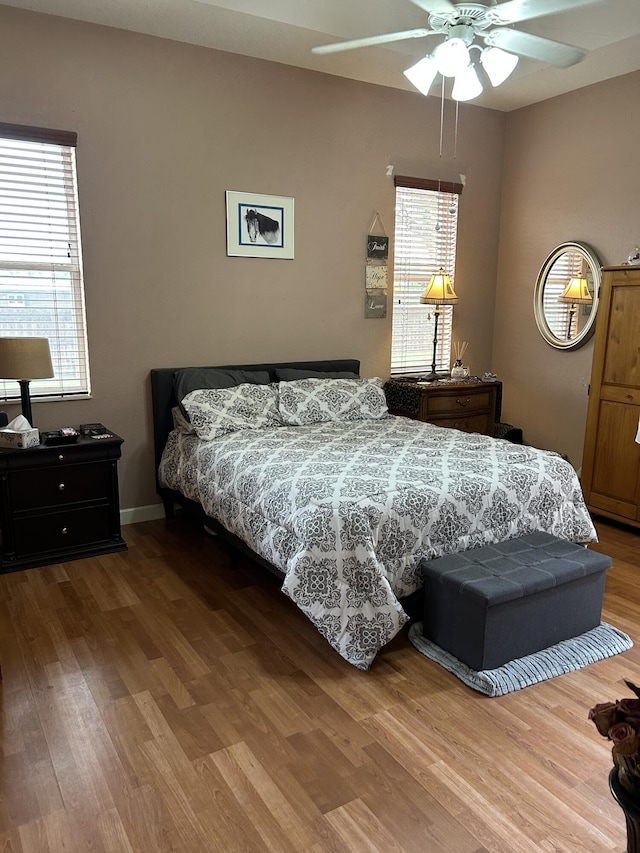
(22, 438)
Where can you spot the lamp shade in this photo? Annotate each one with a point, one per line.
(451, 57)
(498, 64)
(25, 358)
(439, 290)
(422, 74)
(467, 85)
(576, 291)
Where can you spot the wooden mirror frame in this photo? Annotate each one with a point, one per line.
(593, 274)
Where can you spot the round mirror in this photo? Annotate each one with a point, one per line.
(565, 300)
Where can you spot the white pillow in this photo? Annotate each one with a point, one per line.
(311, 401)
(217, 411)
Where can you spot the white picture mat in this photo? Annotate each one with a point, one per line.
(259, 226)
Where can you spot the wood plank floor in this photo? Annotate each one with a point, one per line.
(158, 700)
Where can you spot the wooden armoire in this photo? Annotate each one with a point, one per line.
(611, 459)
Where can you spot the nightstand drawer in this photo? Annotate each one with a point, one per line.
(466, 423)
(58, 486)
(60, 531)
(462, 401)
(42, 456)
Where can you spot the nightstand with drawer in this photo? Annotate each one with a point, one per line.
(59, 503)
(469, 405)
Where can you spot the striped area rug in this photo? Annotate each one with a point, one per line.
(567, 656)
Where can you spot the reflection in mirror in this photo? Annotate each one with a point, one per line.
(566, 295)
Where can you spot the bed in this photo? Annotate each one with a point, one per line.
(339, 498)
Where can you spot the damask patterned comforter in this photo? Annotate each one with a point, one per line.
(347, 510)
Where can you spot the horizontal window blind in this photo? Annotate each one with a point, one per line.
(426, 226)
(41, 282)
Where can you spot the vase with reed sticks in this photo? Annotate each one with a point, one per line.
(459, 371)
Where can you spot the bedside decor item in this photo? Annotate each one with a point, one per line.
(438, 292)
(19, 434)
(54, 438)
(459, 371)
(25, 359)
(259, 226)
(568, 264)
(634, 256)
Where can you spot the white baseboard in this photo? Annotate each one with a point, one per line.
(141, 513)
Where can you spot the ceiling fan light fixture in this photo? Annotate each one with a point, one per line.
(498, 64)
(451, 57)
(422, 74)
(467, 85)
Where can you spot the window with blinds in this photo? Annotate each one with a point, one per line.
(41, 284)
(426, 227)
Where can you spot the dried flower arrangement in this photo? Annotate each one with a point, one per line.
(619, 722)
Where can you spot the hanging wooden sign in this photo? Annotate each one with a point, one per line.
(377, 247)
(375, 274)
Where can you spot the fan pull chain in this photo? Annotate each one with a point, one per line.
(437, 225)
(455, 135)
(441, 122)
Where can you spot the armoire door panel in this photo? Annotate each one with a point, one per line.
(611, 459)
(622, 358)
(617, 463)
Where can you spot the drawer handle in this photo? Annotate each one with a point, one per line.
(61, 457)
(64, 531)
(61, 487)
(463, 402)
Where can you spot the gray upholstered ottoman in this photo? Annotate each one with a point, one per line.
(500, 602)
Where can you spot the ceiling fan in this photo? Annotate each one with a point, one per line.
(461, 23)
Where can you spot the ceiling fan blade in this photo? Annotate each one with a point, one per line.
(536, 47)
(514, 11)
(371, 40)
(438, 6)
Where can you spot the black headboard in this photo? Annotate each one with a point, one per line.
(163, 399)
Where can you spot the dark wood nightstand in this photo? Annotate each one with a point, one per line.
(59, 503)
(469, 405)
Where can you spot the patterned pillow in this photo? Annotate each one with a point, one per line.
(216, 411)
(312, 401)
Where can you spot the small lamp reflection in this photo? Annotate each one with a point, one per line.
(575, 293)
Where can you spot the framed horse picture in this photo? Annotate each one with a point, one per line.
(259, 226)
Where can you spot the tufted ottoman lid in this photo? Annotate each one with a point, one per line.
(494, 574)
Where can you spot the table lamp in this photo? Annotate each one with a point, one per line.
(438, 292)
(25, 359)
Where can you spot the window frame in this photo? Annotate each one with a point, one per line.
(415, 261)
(39, 225)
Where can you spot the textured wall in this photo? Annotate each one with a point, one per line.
(570, 173)
(163, 130)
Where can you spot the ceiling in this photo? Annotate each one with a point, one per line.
(285, 31)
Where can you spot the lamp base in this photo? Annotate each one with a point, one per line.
(25, 399)
(433, 377)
